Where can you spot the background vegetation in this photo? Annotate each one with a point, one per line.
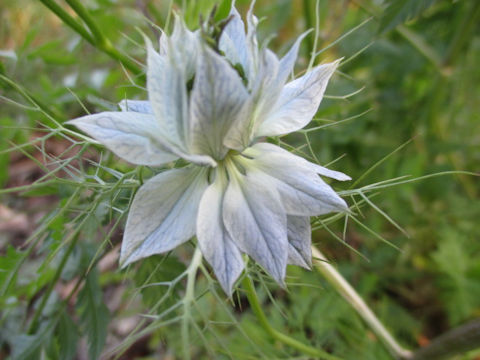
(404, 103)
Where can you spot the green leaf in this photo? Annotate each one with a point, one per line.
(93, 314)
(8, 268)
(67, 335)
(400, 11)
(28, 347)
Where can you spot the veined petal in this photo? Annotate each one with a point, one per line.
(181, 46)
(215, 242)
(256, 221)
(140, 106)
(266, 88)
(299, 241)
(298, 102)
(163, 213)
(263, 89)
(233, 41)
(135, 137)
(287, 62)
(167, 95)
(218, 95)
(301, 190)
(267, 150)
(252, 45)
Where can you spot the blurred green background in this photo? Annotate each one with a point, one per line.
(411, 70)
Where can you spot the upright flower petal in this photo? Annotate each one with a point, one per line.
(299, 241)
(240, 134)
(298, 102)
(218, 95)
(215, 242)
(163, 213)
(233, 41)
(256, 221)
(181, 46)
(132, 136)
(168, 95)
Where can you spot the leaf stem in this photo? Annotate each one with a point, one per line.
(262, 319)
(353, 298)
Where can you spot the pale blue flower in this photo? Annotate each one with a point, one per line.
(238, 195)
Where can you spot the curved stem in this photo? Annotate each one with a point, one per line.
(69, 20)
(98, 39)
(189, 297)
(262, 319)
(353, 298)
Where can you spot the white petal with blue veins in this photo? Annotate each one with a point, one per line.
(163, 213)
(135, 137)
(215, 242)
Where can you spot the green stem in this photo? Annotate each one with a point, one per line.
(67, 19)
(262, 319)
(188, 299)
(7, 82)
(82, 12)
(307, 14)
(35, 321)
(351, 296)
(98, 40)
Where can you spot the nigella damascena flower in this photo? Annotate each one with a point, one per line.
(238, 194)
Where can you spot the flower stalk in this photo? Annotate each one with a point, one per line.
(263, 321)
(353, 298)
(189, 298)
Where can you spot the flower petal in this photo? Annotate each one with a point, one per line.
(181, 46)
(167, 95)
(298, 102)
(271, 75)
(256, 221)
(215, 242)
(218, 95)
(299, 241)
(135, 137)
(163, 213)
(240, 134)
(140, 106)
(267, 149)
(233, 41)
(301, 190)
